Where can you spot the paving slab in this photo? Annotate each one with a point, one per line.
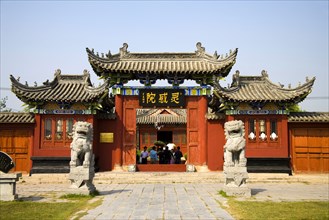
(197, 200)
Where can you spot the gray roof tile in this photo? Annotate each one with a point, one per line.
(261, 89)
(171, 116)
(16, 117)
(309, 117)
(64, 88)
(162, 64)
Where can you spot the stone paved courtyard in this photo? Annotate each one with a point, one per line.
(174, 200)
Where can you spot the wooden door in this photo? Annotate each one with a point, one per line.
(16, 143)
(310, 148)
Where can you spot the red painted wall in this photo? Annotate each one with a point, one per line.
(53, 151)
(268, 149)
(105, 152)
(216, 141)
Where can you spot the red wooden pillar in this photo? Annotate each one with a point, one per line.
(129, 132)
(192, 131)
(202, 110)
(284, 134)
(117, 156)
(30, 150)
(197, 130)
(37, 136)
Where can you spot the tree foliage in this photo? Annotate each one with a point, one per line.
(3, 105)
(294, 108)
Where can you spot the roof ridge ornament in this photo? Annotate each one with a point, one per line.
(236, 79)
(86, 76)
(108, 55)
(46, 83)
(264, 74)
(57, 72)
(201, 51)
(123, 50)
(86, 72)
(215, 56)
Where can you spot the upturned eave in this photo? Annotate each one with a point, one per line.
(161, 64)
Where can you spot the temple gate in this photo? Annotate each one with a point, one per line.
(196, 108)
(119, 115)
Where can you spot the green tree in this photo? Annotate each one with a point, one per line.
(294, 108)
(3, 105)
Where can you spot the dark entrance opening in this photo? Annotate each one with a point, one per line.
(165, 136)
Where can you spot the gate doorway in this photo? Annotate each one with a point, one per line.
(191, 137)
(165, 136)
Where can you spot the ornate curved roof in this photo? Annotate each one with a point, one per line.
(261, 89)
(161, 116)
(64, 88)
(141, 66)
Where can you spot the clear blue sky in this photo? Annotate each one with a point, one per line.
(289, 39)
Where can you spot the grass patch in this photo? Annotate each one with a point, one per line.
(278, 210)
(47, 210)
(223, 193)
(79, 196)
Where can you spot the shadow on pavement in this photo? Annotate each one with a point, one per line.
(31, 198)
(112, 192)
(256, 191)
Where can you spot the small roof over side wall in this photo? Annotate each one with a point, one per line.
(261, 89)
(320, 117)
(16, 117)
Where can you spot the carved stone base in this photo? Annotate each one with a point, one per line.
(235, 176)
(86, 189)
(82, 180)
(8, 186)
(242, 191)
(235, 181)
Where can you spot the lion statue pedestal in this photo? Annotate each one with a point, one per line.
(235, 162)
(82, 163)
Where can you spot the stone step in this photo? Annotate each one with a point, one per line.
(172, 177)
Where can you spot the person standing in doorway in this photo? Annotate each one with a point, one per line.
(153, 155)
(138, 154)
(167, 155)
(161, 156)
(144, 155)
(178, 156)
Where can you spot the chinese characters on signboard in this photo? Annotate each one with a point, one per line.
(162, 98)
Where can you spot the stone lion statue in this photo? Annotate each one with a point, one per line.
(81, 146)
(234, 149)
